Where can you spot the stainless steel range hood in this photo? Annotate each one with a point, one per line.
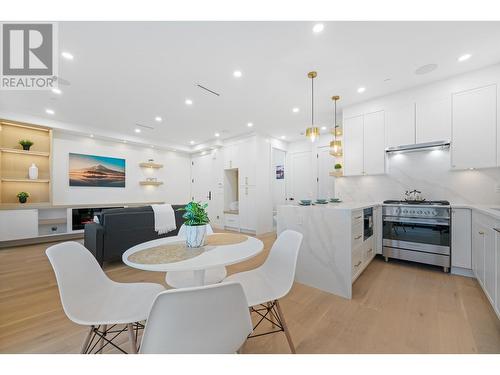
(418, 146)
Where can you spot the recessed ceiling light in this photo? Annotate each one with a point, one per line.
(124, 141)
(424, 69)
(282, 137)
(92, 136)
(137, 130)
(49, 111)
(217, 134)
(152, 146)
(204, 153)
(191, 142)
(188, 101)
(56, 91)
(295, 110)
(361, 89)
(158, 118)
(250, 124)
(318, 28)
(237, 73)
(67, 56)
(467, 56)
(323, 128)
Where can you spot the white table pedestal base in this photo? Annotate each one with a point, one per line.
(186, 279)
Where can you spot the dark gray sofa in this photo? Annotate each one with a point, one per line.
(122, 228)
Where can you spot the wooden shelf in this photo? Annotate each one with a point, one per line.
(336, 174)
(151, 165)
(151, 183)
(44, 181)
(61, 220)
(23, 152)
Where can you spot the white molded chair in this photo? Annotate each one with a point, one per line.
(207, 319)
(265, 285)
(185, 279)
(90, 298)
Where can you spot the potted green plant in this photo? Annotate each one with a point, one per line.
(23, 196)
(26, 143)
(338, 169)
(196, 220)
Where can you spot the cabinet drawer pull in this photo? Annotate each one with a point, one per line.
(357, 217)
(357, 264)
(481, 233)
(369, 251)
(357, 237)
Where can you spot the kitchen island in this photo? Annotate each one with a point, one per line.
(335, 249)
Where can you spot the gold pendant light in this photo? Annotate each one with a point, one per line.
(312, 132)
(335, 145)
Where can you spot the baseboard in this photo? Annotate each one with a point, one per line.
(41, 239)
(462, 272)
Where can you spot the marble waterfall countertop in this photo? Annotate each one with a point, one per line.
(339, 206)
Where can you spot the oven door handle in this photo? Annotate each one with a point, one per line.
(417, 221)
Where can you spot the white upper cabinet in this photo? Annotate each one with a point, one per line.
(400, 125)
(353, 146)
(474, 129)
(246, 161)
(433, 120)
(374, 142)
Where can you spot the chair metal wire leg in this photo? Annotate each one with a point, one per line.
(87, 339)
(285, 327)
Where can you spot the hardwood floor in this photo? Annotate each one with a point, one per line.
(397, 307)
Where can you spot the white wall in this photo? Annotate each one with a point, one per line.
(427, 171)
(278, 186)
(175, 174)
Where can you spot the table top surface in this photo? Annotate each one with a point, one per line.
(214, 256)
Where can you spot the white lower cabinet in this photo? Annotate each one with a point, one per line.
(377, 228)
(18, 224)
(461, 242)
(485, 256)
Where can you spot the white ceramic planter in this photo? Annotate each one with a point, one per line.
(195, 235)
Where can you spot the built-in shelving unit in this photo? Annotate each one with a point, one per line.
(151, 183)
(15, 162)
(150, 165)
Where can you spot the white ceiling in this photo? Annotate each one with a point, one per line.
(125, 73)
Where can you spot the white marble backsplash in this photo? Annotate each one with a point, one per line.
(427, 171)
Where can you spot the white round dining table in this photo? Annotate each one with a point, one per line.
(213, 256)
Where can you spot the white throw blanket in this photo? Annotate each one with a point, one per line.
(164, 218)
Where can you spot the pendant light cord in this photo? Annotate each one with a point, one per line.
(312, 102)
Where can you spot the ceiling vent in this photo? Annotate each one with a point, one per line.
(207, 89)
(145, 126)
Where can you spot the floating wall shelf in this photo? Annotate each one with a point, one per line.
(23, 152)
(151, 183)
(151, 165)
(25, 180)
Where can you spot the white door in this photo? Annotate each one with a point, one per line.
(474, 130)
(353, 146)
(400, 125)
(374, 143)
(489, 263)
(433, 120)
(461, 242)
(325, 166)
(202, 189)
(478, 242)
(301, 186)
(278, 178)
(248, 208)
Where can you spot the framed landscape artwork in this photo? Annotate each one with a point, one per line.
(96, 171)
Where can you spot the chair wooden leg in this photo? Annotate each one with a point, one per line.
(131, 338)
(285, 327)
(101, 341)
(271, 317)
(87, 339)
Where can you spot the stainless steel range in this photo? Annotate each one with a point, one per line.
(417, 231)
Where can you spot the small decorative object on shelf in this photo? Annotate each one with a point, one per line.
(338, 170)
(196, 220)
(33, 172)
(26, 143)
(23, 196)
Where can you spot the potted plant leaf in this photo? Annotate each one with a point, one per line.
(196, 220)
(26, 143)
(23, 196)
